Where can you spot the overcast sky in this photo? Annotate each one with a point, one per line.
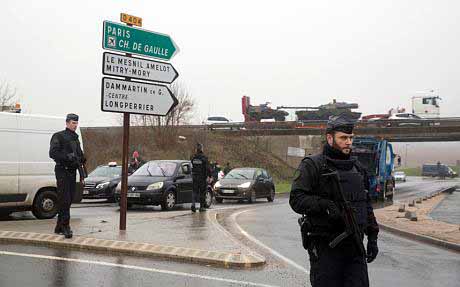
(306, 53)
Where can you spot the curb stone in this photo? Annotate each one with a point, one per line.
(422, 238)
(223, 259)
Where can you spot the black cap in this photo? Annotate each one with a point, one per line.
(71, 117)
(340, 123)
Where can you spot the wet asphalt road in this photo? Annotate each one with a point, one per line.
(449, 209)
(419, 186)
(273, 226)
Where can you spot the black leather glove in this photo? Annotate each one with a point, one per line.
(372, 250)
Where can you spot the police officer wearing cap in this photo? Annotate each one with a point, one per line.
(200, 173)
(65, 150)
(343, 264)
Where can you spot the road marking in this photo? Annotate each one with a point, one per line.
(258, 242)
(133, 267)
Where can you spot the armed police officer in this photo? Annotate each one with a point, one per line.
(333, 229)
(200, 173)
(65, 150)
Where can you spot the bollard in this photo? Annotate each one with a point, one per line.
(411, 215)
(412, 203)
(402, 208)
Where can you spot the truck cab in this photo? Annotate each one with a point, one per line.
(426, 106)
(377, 157)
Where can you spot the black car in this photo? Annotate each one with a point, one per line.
(162, 182)
(245, 183)
(102, 181)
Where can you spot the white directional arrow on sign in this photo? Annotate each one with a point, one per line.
(137, 68)
(136, 97)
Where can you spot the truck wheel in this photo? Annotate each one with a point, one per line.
(45, 205)
(383, 194)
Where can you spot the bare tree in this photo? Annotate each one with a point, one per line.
(7, 96)
(165, 127)
(179, 115)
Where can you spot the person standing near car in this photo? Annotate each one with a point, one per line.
(335, 261)
(66, 151)
(200, 173)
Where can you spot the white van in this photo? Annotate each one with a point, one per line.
(27, 180)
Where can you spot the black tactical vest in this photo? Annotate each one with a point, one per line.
(351, 180)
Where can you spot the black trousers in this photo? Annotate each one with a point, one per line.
(66, 185)
(341, 266)
(199, 191)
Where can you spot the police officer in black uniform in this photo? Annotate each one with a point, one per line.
(344, 264)
(65, 150)
(200, 173)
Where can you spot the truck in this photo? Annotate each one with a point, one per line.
(27, 180)
(377, 157)
(426, 105)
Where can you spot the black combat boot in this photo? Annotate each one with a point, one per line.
(58, 229)
(202, 209)
(67, 231)
(193, 208)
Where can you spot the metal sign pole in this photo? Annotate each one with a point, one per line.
(124, 172)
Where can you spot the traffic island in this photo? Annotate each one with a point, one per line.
(223, 259)
(418, 225)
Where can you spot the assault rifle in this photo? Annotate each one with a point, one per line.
(348, 215)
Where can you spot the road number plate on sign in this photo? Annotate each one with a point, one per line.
(134, 194)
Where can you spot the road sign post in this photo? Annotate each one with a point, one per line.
(126, 96)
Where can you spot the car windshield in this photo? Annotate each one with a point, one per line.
(157, 168)
(241, 173)
(106, 171)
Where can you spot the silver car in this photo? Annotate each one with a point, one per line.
(400, 176)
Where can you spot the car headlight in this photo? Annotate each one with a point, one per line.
(102, 185)
(217, 185)
(245, 185)
(156, 185)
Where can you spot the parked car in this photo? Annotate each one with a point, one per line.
(400, 176)
(440, 170)
(102, 182)
(162, 182)
(245, 183)
(405, 119)
(404, 116)
(218, 122)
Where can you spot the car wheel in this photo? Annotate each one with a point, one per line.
(169, 201)
(252, 197)
(219, 200)
(208, 199)
(45, 205)
(271, 197)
